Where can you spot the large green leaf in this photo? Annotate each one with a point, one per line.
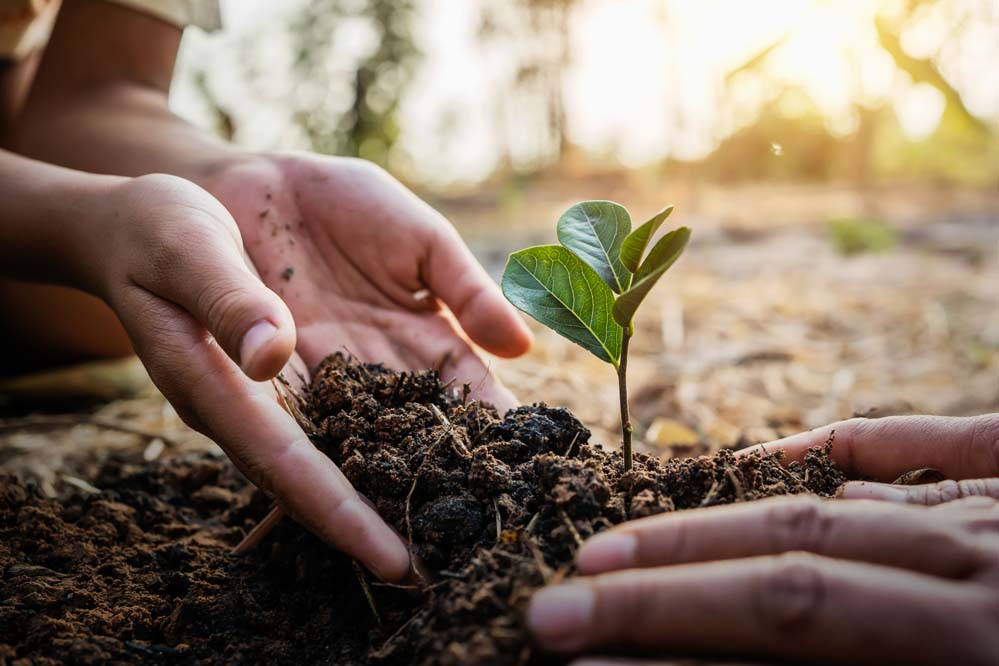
(594, 230)
(663, 254)
(635, 243)
(557, 288)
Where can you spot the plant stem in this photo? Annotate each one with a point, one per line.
(622, 384)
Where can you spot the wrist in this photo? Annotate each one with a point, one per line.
(49, 221)
(90, 237)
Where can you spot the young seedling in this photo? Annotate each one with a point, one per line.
(588, 288)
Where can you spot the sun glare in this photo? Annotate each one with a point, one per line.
(649, 79)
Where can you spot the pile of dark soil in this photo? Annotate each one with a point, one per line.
(141, 572)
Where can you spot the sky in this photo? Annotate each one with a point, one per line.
(645, 80)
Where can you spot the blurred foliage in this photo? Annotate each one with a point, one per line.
(962, 147)
(368, 126)
(535, 38)
(346, 100)
(853, 235)
(806, 149)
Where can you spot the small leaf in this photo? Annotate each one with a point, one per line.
(663, 254)
(594, 230)
(557, 288)
(635, 243)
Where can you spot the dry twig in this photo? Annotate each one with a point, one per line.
(571, 527)
(362, 579)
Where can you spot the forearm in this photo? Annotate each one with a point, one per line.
(122, 128)
(47, 212)
(99, 102)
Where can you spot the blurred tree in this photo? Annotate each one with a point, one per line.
(367, 125)
(537, 34)
(962, 147)
(223, 124)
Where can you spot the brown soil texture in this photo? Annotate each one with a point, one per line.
(495, 507)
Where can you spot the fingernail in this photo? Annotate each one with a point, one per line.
(884, 492)
(607, 552)
(559, 616)
(259, 335)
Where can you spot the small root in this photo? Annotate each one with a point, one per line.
(499, 521)
(362, 579)
(736, 484)
(443, 420)
(712, 493)
(539, 559)
(571, 527)
(259, 531)
(439, 415)
(531, 523)
(293, 408)
(568, 450)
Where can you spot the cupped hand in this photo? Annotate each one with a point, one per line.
(169, 260)
(845, 581)
(368, 267)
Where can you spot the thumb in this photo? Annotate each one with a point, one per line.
(203, 271)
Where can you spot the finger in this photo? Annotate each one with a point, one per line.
(873, 532)
(926, 494)
(245, 419)
(960, 447)
(454, 276)
(794, 606)
(201, 268)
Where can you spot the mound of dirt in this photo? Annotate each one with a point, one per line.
(495, 507)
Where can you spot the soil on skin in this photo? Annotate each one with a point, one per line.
(495, 507)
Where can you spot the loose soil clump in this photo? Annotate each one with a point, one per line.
(494, 507)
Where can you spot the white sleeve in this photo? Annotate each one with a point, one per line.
(181, 13)
(25, 25)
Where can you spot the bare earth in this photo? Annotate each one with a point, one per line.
(761, 329)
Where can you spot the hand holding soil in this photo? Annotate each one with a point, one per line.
(369, 268)
(206, 328)
(850, 581)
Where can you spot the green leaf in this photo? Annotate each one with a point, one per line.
(557, 288)
(635, 243)
(663, 254)
(594, 230)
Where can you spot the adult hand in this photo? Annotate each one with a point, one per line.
(853, 581)
(168, 258)
(964, 450)
(366, 266)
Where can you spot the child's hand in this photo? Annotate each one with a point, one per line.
(365, 265)
(163, 244)
(168, 258)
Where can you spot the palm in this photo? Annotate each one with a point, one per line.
(364, 265)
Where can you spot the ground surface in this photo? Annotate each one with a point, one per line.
(494, 508)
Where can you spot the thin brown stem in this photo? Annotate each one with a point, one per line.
(622, 383)
(259, 531)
